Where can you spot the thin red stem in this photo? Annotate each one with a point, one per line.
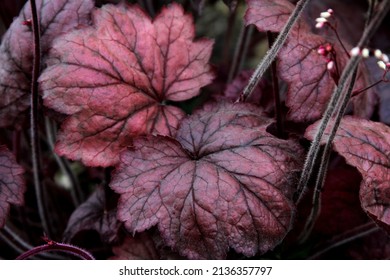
(54, 246)
(367, 88)
(339, 39)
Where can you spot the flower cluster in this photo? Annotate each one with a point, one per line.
(328, 52)
(323, 19)
(383, 59)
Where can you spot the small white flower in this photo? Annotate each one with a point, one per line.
(378, 54)
(355, 51)
(321, 19)
(365, 52)
(325, 15)
(319, 25)
(382, 65)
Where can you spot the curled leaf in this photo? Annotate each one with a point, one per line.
(12, 185)
(224, 182)
(115, 78)
(93, 215)
(16, 50)
(366, 145)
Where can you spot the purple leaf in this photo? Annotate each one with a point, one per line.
(270, 15)
(16, 51)
(12, 185)
(115, 78)
(225, 182)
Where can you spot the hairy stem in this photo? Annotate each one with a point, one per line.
(55, 246)
(322, 171)
(338, 98)
(34, 131)
(271, 54)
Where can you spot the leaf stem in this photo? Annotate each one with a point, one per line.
(349, 236)
(76, 193)
(56, 246)
(338, 97)
(34, 132)
(236, 54)
(244, 49)
(228, 35)
(272, 52)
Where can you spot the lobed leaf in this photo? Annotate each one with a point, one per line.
(12, 185)
(16, 50)
(115, 78)
(224, 182)
(366, 146)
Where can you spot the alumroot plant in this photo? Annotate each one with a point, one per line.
(176, 160)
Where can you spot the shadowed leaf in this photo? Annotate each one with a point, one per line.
(16, 50)
(93, 215)
(224, 182)
(139, 247)
(12, 185)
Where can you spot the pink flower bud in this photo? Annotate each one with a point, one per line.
(330, 65)
(319, 25)
(321, 50)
